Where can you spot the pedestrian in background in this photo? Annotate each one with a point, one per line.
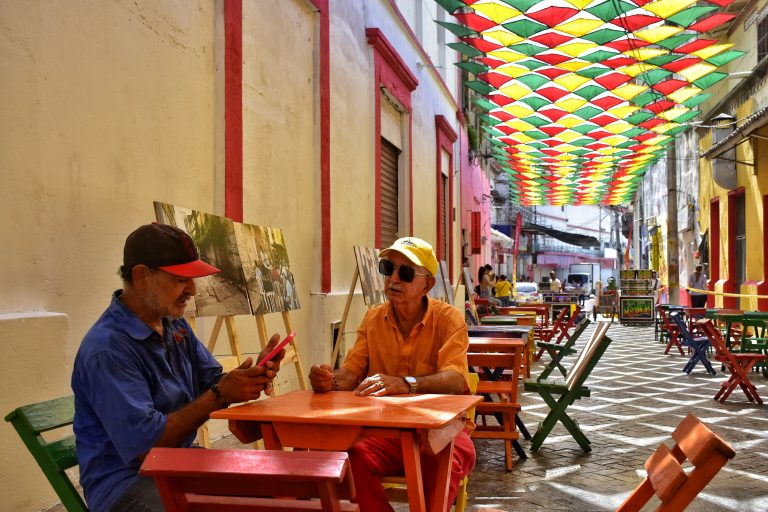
(503, 290)
(698, 281)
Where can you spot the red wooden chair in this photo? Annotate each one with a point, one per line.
(560, 330)
(667, 479)
(738, 364)
(670, 330)
(193, 479)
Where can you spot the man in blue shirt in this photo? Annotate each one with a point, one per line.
(142, 378)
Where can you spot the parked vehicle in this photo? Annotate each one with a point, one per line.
(582, 277)
(526, 292)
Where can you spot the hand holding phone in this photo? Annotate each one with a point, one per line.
(277, 349)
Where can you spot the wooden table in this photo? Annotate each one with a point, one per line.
(338, 419)
(499, 331)
(499, 320)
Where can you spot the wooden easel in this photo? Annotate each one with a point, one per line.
(340, 334)
(468, 288)
(231, 362)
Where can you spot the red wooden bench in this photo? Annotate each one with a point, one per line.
(195, 479)
(668, 480)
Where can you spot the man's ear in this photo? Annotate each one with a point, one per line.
(140, 273)
(430, 282)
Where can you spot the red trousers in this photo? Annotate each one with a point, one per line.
(374, 458)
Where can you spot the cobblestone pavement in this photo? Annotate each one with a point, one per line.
(638, 396)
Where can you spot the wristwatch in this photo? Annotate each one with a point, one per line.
(411, 381)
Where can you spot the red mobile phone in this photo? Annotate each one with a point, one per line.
(277, 349)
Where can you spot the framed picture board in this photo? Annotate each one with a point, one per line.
(255, 275)
(371, 281)
(636, 309)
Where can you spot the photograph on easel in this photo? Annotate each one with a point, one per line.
(467, 278)
(269, 280)
(219, 294)
(371, 281)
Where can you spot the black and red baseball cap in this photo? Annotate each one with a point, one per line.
(167, 248)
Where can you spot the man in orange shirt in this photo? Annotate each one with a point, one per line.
(410, 344)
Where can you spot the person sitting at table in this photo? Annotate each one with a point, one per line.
(410, 344)
(141, 377)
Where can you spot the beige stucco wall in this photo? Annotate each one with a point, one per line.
(110, 105)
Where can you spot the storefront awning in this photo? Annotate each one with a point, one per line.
(501, 238)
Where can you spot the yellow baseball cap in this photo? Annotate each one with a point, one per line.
(416, 250)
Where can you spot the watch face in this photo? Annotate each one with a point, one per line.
(410, 380)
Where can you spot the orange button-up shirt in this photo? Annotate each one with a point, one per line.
(438, 343)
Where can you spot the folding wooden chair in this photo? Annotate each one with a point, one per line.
(699, 345)
(547, 334)
(738, 365)
(193, 479)
(31, 421)
(558, 352)
(669, 330)
(570, 390)
(667, 479)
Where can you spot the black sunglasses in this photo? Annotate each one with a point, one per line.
(406, 274)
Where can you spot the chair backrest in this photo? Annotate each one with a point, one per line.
(31, 421)
(569, 324)
(588, 357)
(684, 332)
(662, 315)
(668, 480)
(249, 480)
(509, 360)
(715, 338)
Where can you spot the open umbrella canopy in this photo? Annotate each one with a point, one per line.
(581, 97)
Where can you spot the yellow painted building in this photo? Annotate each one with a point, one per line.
(733, 189)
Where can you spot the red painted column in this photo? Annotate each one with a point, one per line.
(325, 144)
(233, 109)
(714, 248)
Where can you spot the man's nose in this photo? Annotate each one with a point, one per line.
(190, 287)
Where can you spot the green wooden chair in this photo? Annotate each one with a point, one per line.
(557, 352)
(570, 390)
(31, 421)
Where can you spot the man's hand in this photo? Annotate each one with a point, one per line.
(321, 378)
(246, 382)
(381, 385)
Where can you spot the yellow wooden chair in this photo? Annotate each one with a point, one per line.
(395, 487)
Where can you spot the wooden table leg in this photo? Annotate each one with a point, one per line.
(439, 498)
(413, 476)
(271, 441)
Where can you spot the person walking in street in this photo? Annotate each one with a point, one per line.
(698, 281)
